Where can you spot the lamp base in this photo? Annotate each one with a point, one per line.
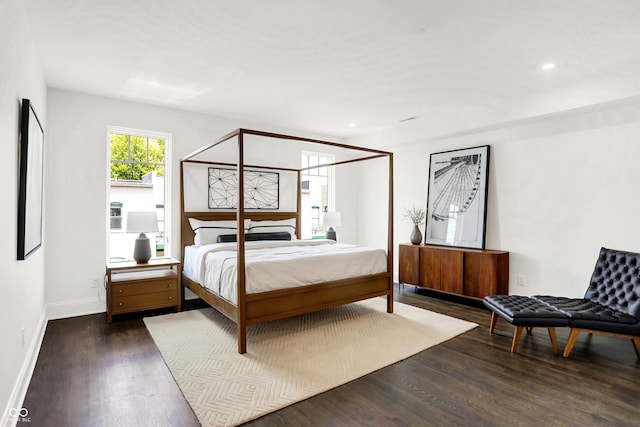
(142, 249)
(331, 234)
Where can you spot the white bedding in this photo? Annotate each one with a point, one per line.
(274, 265)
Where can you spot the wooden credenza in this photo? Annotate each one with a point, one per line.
(468, 272)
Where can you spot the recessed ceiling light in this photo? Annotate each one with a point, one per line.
(548, 66)
(352, 124)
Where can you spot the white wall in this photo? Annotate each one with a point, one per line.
(371, 201)
(560, 187)
(23, 293)
(76, 178)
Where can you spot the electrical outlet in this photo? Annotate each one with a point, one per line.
(522, 280)
(94, 282)
(22, 336)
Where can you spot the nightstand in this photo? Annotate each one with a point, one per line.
(136, 287)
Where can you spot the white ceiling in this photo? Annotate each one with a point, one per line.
(319, 65)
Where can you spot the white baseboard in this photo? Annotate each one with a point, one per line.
(79, 307)
(188, 295)
(14, 408)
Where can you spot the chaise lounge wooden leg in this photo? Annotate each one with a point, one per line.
(494, 320)
(636, 345)
(573, 336)
(517, 333)
(554, 341)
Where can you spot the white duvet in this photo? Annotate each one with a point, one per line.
(274, 265)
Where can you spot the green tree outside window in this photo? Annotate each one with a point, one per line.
(134, 156)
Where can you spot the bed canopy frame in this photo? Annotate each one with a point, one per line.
(278, 304)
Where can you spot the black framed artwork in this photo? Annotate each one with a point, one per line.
(457, 198)
(261, 189)
(30, 180)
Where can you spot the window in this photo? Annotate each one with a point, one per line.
(138, 181)
(317, 192)
(133, 157)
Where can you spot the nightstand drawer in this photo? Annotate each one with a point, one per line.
(143, 302)
(139, 288)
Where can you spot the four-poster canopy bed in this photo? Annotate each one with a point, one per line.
(246, 306)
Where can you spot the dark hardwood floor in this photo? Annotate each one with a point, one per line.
(93, 374)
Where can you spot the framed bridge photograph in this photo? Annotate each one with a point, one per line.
(457, 198)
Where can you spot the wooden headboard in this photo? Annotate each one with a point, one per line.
(187, 235)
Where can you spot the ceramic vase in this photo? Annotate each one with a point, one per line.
(416, 235)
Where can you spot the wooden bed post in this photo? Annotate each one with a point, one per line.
(182, 237)
(390, 238)
(299, 206)
(242, 294)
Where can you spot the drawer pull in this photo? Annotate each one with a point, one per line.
(170, 297)
(120, 304)
(170, 284)
(119, 291)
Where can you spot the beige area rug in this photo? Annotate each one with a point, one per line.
(288, 360)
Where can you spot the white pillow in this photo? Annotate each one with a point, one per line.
(207, 232)
(288, 225)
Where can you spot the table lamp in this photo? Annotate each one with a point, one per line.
(332, 219)
(141, 222)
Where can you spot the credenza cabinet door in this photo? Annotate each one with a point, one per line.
(430, 269)
(467, 272)
(409, 268)
(441, 269)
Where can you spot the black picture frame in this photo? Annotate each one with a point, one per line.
(30, 181)
(261, 189)
(457, 198)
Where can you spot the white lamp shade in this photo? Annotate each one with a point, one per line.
(142, 222)
(332, 219)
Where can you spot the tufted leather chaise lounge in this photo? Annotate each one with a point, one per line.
(611, 305)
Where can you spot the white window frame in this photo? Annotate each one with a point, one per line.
(167, 180)
(331, 198)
